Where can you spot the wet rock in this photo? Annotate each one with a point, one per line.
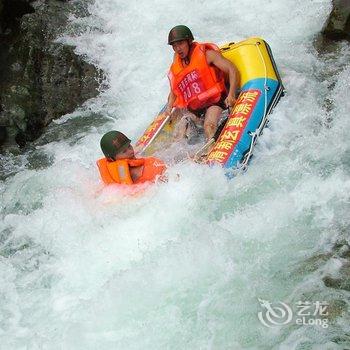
(313, 263)
(337, 283)
(342, 279)
(338, 25)
(336, 309)
(3, 135)
(343, 249)
(40, 79)
(11, 12)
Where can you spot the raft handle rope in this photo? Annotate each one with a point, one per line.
(258, 131)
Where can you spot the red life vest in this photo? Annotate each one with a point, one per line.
(119, 170)
(197, 85)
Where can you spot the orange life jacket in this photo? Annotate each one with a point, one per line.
(119, 170)
(197, 85)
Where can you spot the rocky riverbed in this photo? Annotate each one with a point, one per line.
(40, 79)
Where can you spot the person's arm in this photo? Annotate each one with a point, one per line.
(215, 58)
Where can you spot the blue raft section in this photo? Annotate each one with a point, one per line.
(260, 91)
(270, 90)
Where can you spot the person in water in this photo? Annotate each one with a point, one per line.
(201, 81)
(120, 164)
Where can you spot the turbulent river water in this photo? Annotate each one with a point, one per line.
(185, 264)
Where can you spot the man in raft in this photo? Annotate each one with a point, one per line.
(120, 165)
(198, 77)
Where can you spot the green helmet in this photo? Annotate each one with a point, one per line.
(179, 33)
(114, 142)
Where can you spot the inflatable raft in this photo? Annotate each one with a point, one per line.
(260, 90)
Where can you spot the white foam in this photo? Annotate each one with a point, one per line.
(181, 264)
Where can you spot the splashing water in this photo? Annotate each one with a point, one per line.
(181, 265)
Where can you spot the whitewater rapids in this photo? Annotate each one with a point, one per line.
(184, 264)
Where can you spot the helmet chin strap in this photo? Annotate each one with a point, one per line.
(187, 59)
